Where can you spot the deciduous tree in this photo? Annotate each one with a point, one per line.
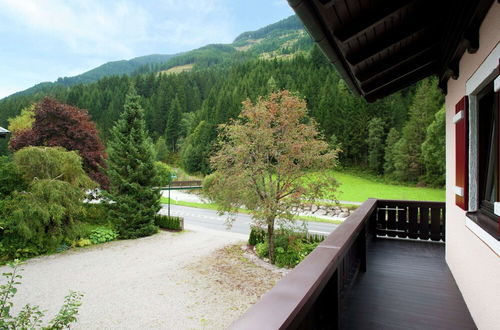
(58, 124)
(24, 121)
(266, 160)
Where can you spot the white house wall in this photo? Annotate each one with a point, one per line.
(474, 264)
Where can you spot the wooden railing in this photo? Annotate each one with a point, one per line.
(193, 183)
(411, 219)
(312, 295)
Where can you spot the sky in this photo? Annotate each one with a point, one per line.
(42, 40)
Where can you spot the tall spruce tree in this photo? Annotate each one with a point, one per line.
(132, 173)
(172, 129)
(375, 143)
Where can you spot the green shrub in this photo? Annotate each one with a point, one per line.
(31, 316)
(102, 235)
(171, 223)
(39, 220)
(290, 247)
(257, 235)
(82, 242)
(262, 250)
(10, 178)
(96, 214)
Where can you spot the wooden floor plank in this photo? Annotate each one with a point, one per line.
(407, 285)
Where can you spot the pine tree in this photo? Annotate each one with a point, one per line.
(433, 150)
(427, 101)
(390, 145)
(132, 172)
(173, 120)
(375, 143)
(161, 150)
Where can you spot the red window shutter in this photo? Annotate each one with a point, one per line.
(461, 120)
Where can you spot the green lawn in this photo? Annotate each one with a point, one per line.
(354, 188)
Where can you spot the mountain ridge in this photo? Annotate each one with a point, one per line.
(282, 38)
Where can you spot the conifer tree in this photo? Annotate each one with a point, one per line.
(389, 152)
(135, 201)
(173, 120)
(161, 150)
(375, 143)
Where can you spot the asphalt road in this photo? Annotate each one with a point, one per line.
(211, 220)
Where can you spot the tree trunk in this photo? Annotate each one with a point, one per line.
(270, 239)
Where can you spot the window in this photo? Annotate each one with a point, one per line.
(488, 149)
(487, 160)
(481, 163)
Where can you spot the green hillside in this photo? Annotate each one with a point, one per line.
(281, 39)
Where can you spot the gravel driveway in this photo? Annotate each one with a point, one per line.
(189, 280)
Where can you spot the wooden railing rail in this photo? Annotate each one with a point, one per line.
(411, 219)
(312, 295)
(192, 183)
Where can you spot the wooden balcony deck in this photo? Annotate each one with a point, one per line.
(407, 285)
(383, 268)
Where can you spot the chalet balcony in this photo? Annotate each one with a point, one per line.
(383, 268)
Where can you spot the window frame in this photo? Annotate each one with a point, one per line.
(481, 223)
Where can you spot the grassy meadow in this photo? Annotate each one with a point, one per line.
(356, 188)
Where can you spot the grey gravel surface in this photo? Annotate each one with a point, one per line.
(166, 281)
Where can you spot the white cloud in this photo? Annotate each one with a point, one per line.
(122, 28)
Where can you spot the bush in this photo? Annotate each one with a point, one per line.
(96, 214)
(257, 235)
(290, 247)
(39, 220)
(82, 242)
(171, 223)
(102, 235)
(163, 174)
(31, 316)
(262, 250)
(10, 178)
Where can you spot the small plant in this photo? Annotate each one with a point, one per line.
(291, 247)
(262, 249)
(102, 235)
(257, 235)
(82, 242)
(30, 316)
(170, 223)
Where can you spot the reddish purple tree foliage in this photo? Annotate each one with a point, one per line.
(59, 124)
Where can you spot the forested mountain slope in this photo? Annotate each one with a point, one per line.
(285, 37)
(185, 108)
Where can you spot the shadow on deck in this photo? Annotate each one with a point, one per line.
(407, 285)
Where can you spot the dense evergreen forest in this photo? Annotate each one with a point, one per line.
(401, 136)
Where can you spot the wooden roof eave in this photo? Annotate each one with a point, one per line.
(312, 23)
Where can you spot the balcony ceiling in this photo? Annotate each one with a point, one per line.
(382, 46)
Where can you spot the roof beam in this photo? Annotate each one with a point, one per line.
(408, 54)
(376, 16)
(384, 42)
(402, 82)
(398, 71)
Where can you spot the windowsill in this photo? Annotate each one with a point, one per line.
(485, 228)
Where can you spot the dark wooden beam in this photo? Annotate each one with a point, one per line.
(471, 37)
(384, 42)
(398, 71)
(400, 83)
(408, 54)
(372, 18)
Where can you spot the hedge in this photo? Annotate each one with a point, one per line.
(170, 223)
